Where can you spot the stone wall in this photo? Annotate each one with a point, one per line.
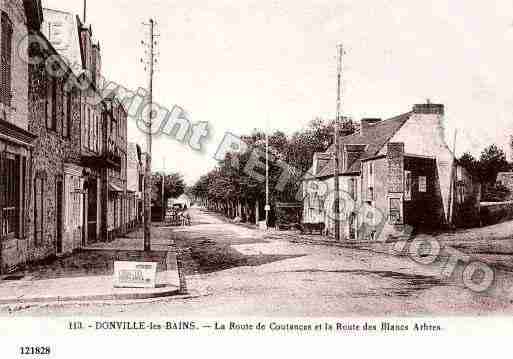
(52, 150)
(492, 213)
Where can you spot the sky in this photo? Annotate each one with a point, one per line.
(241, 65)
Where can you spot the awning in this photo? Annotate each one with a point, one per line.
(16, 135)
(114, 188)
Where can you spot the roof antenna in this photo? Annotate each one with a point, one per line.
(85, 11)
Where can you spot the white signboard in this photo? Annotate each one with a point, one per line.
(135, 274)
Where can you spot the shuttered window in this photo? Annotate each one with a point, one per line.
(9, 195)
(69, 96)
(54, 104)
(6, 60)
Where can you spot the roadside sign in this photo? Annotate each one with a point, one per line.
(135, 274)
(267, 208)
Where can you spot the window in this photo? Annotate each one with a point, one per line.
(51, 106)
(371, 194)
(407, 185)
(68, 115)
(89, 128)
(353, 188)
(10, 195)
(39, 184)
(422, 184)
(6, 60)
(64, 113)
(54, 104)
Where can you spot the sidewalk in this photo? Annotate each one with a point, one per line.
(79, 289)
(88, 275)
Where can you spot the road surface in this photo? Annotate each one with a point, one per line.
(239, 272)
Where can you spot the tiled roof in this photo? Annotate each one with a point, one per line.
(374, 137)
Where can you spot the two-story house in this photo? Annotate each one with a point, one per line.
(398, 171)
(17, 18)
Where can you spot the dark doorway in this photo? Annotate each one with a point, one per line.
(59, 192)
(92, 210)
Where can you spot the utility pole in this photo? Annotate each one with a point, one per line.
(267, 205)
(340, 51)
(162, 191)
(452, 184)
(85, 12)
(147, 176)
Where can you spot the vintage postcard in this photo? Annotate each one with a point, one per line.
(253, 168)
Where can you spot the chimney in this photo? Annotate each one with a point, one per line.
(366, 122)
(429, 109)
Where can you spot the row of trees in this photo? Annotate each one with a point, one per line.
(231, 190)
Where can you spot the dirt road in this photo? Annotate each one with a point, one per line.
(240, 271)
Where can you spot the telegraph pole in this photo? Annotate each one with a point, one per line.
(340, 51)
(147, 177)
(267, 205)
(162, 191)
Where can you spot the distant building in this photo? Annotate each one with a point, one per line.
(134, 185)
(506, 179)
(115, 176)
(183, 201)
(401, 170)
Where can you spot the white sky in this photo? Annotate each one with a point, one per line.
(237, 63)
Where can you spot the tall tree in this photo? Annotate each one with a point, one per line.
(492, 161)
(470, 163)
(174, 187)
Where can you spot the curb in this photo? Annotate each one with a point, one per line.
(99, 297)
(13, 305)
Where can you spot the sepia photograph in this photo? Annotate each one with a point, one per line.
(255, 166)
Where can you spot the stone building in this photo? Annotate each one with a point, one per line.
(103, 129)
(54, 117)
(394, 173)
(506, 179)
(17, 18)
